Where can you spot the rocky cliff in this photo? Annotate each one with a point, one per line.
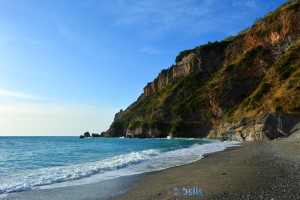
(245, 88)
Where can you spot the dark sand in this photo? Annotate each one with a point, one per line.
(255, 170)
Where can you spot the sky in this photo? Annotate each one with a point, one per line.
(67, 66)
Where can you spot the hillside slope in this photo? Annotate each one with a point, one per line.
(246, 87)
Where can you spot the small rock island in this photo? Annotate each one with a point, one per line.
(88, 135)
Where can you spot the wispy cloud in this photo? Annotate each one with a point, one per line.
(69, 33)
(7, 96)
(156, 18)
(62, 29)
(247, 3)
(6, 39)
(32, 41)
(151, 50)
(84, 3)
(13, 94)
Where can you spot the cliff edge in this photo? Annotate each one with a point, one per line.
(246, 87)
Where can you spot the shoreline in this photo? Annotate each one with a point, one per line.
(252, 170)
(118, 185)
(129, 163)
(106, 189)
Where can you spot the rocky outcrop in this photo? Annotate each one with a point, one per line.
(279, 30)
(87, 134)
(203, 59)
(264, 127)
(94, 135)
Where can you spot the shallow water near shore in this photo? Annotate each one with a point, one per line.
(30, 163)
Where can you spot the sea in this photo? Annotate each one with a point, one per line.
(32, 163)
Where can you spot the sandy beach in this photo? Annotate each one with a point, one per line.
(253, 170)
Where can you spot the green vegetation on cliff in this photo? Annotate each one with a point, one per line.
(257, 71)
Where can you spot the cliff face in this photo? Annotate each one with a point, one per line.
(203, 59)
(214, 88)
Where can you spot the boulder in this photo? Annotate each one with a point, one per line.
(87, 134)
(95, 135)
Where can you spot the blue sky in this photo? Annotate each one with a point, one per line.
(67, 66)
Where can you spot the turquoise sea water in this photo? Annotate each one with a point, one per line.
(28, 163)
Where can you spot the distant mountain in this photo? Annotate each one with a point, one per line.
(246, 87)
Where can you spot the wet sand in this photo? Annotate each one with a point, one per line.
(102, 190)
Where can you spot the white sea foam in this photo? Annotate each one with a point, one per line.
(127, 164)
